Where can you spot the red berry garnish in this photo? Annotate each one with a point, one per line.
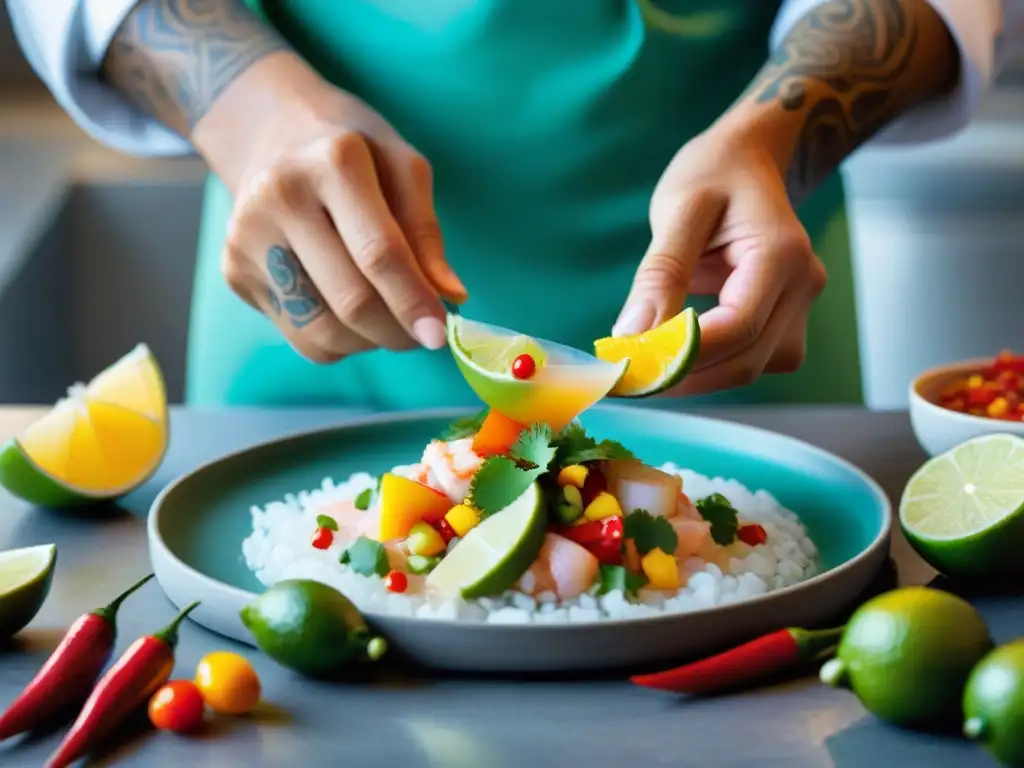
(524, 366)
(752, 535)
(396, 581)
(323, 538)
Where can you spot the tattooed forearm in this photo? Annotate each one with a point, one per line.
(847, 69)
(290, 290)
(173, 58)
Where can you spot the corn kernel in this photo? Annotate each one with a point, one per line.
(661, 570)
(604, 505)
(574, 475)
(997, 408)
(975, 382)
(462, 518)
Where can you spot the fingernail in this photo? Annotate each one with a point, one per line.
(634, 319)
(430, 332)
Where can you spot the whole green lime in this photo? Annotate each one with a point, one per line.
(994, 704)
(310, 627)
(906, 654)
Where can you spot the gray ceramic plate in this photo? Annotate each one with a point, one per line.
(197, 525)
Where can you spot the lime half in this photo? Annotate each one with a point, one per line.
(658, 358)
(495, 553)
(963, 511)
(25, 577)
(565, 383)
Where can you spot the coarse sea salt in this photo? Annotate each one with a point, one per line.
(278, 548)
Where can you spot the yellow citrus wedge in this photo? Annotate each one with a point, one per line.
(658, 358)
(101, 441)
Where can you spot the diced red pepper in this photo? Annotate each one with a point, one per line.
(602, 538)
(322, 538)
(752, 535)
(593, 485)
(445, 529)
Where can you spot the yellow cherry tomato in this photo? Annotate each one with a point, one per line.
(228, 683)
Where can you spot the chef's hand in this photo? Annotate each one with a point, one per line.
(333, 233)
(722, 224)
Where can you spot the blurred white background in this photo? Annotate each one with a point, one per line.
(97, 249)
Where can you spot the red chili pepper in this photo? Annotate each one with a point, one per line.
(69, 674)
(760, 657)
(134, 678)
(752, 535)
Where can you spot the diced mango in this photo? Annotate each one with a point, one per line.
(661, 570)
(462, 518)
(404, 502)
(997, 408)
(603, 505)
(424, 540)
(574, 475)
(497, 434)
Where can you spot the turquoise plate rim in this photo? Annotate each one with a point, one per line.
(880, 540)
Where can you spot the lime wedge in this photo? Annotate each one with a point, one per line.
(963, 511)
(25, 577)
(495, 553)
(658, 358)
(565, 383)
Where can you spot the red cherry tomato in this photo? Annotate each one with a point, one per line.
(524, 366)
(322, 538)
(177, 706)
(396, 581)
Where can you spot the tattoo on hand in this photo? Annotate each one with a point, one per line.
(292, 291)
(843, 63)
(173, 58)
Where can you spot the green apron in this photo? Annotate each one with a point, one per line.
(548, 125)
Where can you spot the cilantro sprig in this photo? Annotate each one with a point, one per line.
(503, 479)
(366, 557)
(650, 532)
(575, 446)
(720, 512)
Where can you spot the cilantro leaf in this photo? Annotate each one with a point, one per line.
(575, 446)
(366, 557)
(363, 500)
(719, 511)
(650, 532)
(464, 427)
(326, 521)
(503, 479)
(612, 577)
(534, 447)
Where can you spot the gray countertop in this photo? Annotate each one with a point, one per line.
(418, 719)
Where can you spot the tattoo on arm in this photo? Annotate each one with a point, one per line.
(173, 58)
(851, 66)
(291, 291)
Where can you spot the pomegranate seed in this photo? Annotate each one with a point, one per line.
(752, 535)
(323, 538)
(524, 366)
(396, 581)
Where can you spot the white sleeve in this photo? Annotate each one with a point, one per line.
(65, 42)
(977, 28)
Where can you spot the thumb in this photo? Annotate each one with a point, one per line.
(680, 231)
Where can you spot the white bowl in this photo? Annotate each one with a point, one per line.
(939, 429)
